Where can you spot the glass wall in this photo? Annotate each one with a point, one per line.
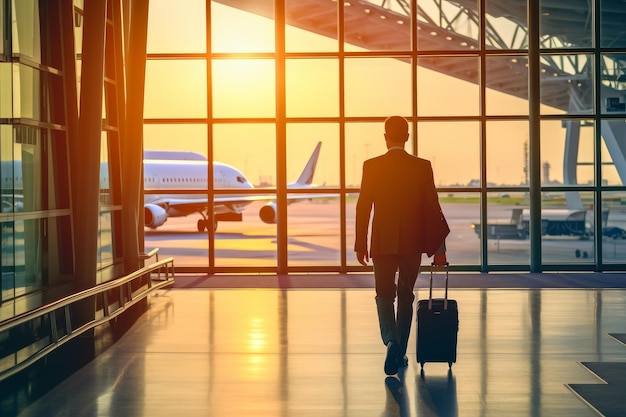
(256, 88)
(35, 234)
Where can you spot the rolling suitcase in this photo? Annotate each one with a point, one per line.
(437, 327)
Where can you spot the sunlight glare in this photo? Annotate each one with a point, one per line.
(251, 33)
(257, 336)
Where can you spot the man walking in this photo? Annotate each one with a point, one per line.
(407, 222)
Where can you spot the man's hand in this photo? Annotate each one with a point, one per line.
(363, 258)
(440, 259)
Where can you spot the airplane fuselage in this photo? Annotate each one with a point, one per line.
(189, 175)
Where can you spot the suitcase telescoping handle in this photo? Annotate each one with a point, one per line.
(430, 293)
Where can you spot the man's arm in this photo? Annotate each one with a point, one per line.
(434, 209)
(363, 210)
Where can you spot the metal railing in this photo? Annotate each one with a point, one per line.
(159, 274)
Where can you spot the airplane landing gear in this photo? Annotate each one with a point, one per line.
(203, 225)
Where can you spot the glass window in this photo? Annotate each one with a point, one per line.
(314, 236)
(507, 85)
(175, 137)
(614, 227)
(250, 152)
(26, 31)
(28, 167)
(29, 260)
(611, 21)
(252, 32)
(507, 228)
(6, 90)
(175, 88)
(507, 153)
(244, 88)
(453, 148)
(311, 27)
(26, 81)
(78, 33)
(105, 241)
(7, 169)
(447, 26)
(60, 253)
(176, 28)
(179, 237)
(312, 87)
(448, 86)
(302, 139)
(566, 27)
(507, 27)
(613, 152)
(105, 172)
(243, 118)
(247, 243)
(7, 255)
(567, 84)
(613, 92)
(377, 86)
(248, 147)
(371, 27)
(78, 71)
(567, 233)
(567, 153)
(462, 211)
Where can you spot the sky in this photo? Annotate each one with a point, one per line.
(374, 87)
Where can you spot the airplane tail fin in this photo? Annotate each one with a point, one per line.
(306, 177)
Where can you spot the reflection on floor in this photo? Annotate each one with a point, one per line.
(317, 352)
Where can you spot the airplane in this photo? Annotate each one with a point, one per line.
(188, 171)
(180, 170)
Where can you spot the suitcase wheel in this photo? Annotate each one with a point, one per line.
(422, 365)
(450, 365)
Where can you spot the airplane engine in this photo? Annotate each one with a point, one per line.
(268, 213)
(154, 216)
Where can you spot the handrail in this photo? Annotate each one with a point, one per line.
(165, 266)
(154, 252)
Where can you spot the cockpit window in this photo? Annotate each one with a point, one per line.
(241, 179)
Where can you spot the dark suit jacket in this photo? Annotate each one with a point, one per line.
(407, 215)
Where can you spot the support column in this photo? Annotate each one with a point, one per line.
(281, 140)
(534, 120)
(85, 150)
(132, 142)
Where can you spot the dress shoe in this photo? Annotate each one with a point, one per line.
(391, 361)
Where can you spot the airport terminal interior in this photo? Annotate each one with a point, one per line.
(179, 182)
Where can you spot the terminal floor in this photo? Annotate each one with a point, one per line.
(317, 352)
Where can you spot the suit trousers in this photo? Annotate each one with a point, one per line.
(396, 327)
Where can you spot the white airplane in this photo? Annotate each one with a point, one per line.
(174, 170)
(188, 171)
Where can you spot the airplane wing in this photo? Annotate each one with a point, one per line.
(198, 204)
(228, 208)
